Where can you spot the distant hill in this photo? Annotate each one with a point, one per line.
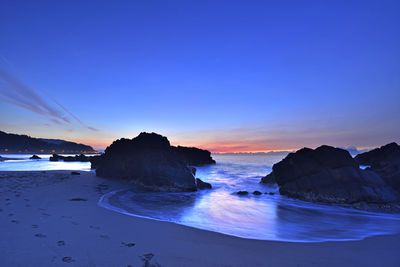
(15, 143)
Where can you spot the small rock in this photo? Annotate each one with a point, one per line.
(202, 185)
(35, 157)
(242, 193)
(75, 173)
(61, 243)
(257, 193)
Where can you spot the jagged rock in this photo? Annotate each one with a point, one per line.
(202, 185)
(269, 179)
(385, 161)
(329, 174)
(35, 157)
(79, 158)
(150, 161)
(194, 156)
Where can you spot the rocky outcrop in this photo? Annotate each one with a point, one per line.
(269, 179)
(331, 175)
(194, 156)
(35, 157)
(149, 161)
(80, 158)
(202, 185)
(385, 161)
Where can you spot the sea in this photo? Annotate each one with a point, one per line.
(268, 216)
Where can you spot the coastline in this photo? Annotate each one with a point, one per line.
(36, 214)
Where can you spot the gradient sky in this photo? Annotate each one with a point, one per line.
(221, 75)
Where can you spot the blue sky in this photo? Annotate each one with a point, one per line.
(223, 75)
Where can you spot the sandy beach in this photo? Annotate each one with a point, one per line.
(52, 219)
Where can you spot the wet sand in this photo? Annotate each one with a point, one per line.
(52, 219)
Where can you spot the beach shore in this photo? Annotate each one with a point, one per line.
(52, 219)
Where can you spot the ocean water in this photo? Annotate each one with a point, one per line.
(25, 164)
(264, 217)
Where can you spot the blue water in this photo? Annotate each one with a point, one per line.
(266, 217)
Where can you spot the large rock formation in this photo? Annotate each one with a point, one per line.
(384, 161)
(151, 162)
(194, 156)
(331, 175)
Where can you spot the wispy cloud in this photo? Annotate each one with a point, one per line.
(14, 91)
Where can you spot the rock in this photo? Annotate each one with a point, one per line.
(149, 160)
(35, 157)
(385, 161)
(202, 185)
(242, 193)
(269, 179)
(379, 155)
(331, 175)
(194, 156)
(79, 158)
(75, 173)
(257, 193)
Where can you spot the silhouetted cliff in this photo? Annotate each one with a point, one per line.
(14, 143)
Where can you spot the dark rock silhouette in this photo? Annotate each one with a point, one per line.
(150, 161)
(257, 193)
(268, 179)
(35, 157)
(331, 175)
(385, 161)
(194, 156)
(202, 185)
(80, 158)
(14, 143)
(242, 193)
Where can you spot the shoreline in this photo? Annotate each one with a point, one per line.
(43, 213)
(106, 200)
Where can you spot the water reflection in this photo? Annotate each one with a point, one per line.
(269, 217)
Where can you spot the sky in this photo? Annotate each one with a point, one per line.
(229, 76)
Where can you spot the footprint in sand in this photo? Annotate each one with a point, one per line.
(45, 214)
(15, 221)
(1, 210)
(66, 217)
(27, 205)
(146, 259)
(35, 226)
(10, 214)
(129, 245)
(78, 199)
(61, 243)
(105, 237)
(40, 235)
(75, 223)
(68, 259)
(94, 227)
